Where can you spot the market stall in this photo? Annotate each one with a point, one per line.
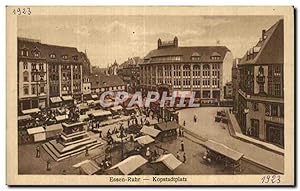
(168, 130)
(130, 165)
(151, 131)
(37, 134)
(169, 161)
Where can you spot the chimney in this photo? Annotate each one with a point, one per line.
(158, 43)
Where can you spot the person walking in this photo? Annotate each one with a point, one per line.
(178, 155)
(38, 152)
(182, 145)
(182, 132)
(184, 157)
(195, 118)
(183, 123)
(100, 134)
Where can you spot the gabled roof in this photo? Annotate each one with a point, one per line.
(46, 49)
(205, 53)
(271, 49)
(102, 80)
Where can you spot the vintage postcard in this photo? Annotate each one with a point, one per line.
(150, 96)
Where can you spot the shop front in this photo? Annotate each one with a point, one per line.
(275, 133)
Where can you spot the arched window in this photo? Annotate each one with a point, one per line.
(25, 76)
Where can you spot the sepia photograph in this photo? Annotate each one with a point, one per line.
(150, 95)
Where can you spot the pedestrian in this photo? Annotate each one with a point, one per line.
(97, 124)
(141, 121)
(195, 118)
(183, 123)
(48, 165)
(37, 152)
(128, 123)
(178, 155)
(182, 145)
(182, 132)
(100, 134)
(184, 157)
(179, 131)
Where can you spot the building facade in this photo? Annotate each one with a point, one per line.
(102, 82)
(201, 69)
(47, 74)
(129, 71)
(235, 83)
(260, 111)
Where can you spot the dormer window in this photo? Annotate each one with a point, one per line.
(215, 56)
(36, 52)
(75, 58)
(52, 56)
(24, 52)
(65, 57)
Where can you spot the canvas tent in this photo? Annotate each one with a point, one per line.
(169, 160)
(130, 164)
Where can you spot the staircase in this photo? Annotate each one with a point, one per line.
(70, 145)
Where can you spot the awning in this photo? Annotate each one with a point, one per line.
(169, 160)
(29, 111)
(24, 117)
(83, 117)
(130, 164)
(55, 99)
(150, 131)
(35, 130)
(94, 96)
(55, 127)
(99, 113)
(117, 108)
(88, 167)
(166, 126)
(89, 102)
(61, 117)
(223, 150)
(82, 106)
(145, 140)
(67, 98)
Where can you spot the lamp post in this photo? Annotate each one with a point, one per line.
(246, 111)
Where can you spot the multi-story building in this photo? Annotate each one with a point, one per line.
(202, 69)
(47, 73)
(32, 75)
(261, 94)
(113, 69)
(129, 71)
(228, 90)
(235, 82)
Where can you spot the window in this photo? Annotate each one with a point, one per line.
(274, 110)
(65, 57)
(75, 58)
(41, 66)
(33, 90)
(267, 110)
(26, 91)
(255, 106)
(25, 65)
(33, 78)
(33, 66)
(24, 52)
(36, 54)
(25, 75)
(42, 89)
(52, 56)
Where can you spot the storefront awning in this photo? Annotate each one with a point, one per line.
(24, 117)
(130, 164)
(30, 111)
(35, 130)
(55, 99)
(169, 160)
(67, 98)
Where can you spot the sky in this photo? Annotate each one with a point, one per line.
(110, 38)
